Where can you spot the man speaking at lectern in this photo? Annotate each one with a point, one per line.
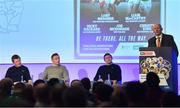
(162, 40)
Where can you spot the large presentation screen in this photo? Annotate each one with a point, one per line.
(116, 26)
(81, 31)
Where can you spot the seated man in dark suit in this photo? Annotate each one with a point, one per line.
(111, 69)
(162, 40)
(18, 72)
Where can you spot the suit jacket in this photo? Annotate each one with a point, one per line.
(167, 41)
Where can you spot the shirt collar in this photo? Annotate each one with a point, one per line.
(55, 65)
(109, 64)
(159, 36)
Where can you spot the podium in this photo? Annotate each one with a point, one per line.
(162, 61)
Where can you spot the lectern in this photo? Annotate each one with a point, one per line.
(162, 61)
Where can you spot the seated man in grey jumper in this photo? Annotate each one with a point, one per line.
(56, 70)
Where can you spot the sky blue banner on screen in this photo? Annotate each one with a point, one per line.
(81, 31)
